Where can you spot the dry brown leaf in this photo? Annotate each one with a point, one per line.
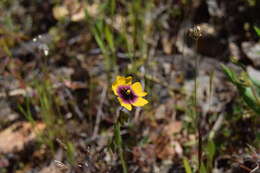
(75, 10)
(160, 112)
(164, 148)
(74, 85)
(15, 137)
(166, 145)
(60, 12)
(167, 45)
(173, 127)
(119, 22)
(26, 168)
(50, 169)
(92, 9)
(144, 156)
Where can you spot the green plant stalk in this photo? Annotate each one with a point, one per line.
(211, 150)
(252, 86)
(187, 165)
(119, 144)
(27, 112)
(255, 94)
(121, 155)
(246, 91)
(195, 109)
(47, 113)
(71, 153)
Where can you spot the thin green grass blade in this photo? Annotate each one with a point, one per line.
(257, 30)
(186, 165)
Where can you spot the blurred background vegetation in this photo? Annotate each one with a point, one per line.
(198, 60)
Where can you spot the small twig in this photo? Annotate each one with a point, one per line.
(118, 113)
(75, 106)
(244, 167)
(255, 169)
(99, 113)
(216, 126)
(137, 113)
(15, 92)
(241, 165)
(61, 144)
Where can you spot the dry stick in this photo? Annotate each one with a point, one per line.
(99, 113)
(255, 169)
(75, 106)
(244, 167)
(241, 165)
(216, 126)
(137, 114)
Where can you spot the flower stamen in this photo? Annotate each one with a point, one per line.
(128, 91)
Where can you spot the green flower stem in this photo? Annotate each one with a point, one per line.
(119, 145)
(255, 95)
(121, 155)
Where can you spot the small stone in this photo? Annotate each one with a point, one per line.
(252, 51)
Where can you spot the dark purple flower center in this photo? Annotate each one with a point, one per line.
(126, 94)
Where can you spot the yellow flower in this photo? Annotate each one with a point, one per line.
(127, 93)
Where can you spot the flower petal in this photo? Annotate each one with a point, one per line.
(120, 80)
(126, 105)
(140, 102)
(114, 88)
(128, 80)
(138, 89)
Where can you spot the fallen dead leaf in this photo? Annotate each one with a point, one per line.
(60, 12)
(173, 127)
(50, 169)
(75, 10)
(164, 147)
(15, 137)
(74, 85)
(160, 112)
(144, 156)
(167, 45)
(167, 145)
